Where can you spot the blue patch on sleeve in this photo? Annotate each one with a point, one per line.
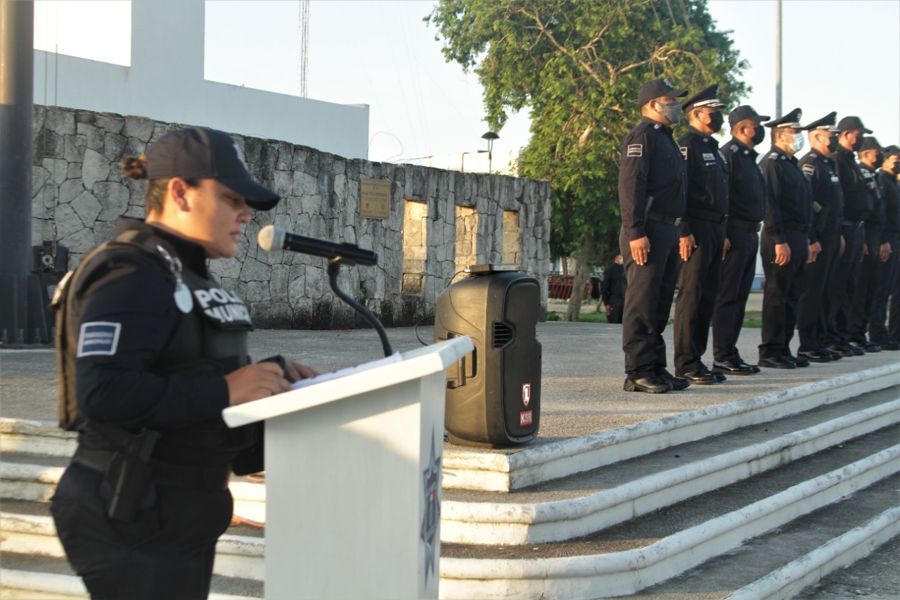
(98, 338)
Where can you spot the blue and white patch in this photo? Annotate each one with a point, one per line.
(98, 338)
(709, 156)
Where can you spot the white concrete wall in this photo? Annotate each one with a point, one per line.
(165, 82)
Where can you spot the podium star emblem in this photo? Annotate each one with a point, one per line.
(431, 517)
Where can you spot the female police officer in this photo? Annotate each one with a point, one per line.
(152, 348)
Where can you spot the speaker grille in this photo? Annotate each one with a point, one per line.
(502, 334)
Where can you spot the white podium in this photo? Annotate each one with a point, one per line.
(353, 480)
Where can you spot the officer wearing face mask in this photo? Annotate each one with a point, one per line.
(652, 185)
(746, 206)
(870, 290)
(788, 241)
(858, 204)
(702, 236)
(890, 186)
(828, 208)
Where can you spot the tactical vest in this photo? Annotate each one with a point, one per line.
(212, 336)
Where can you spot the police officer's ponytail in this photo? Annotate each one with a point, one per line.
(135, 167)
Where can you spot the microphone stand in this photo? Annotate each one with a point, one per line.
(334, 267)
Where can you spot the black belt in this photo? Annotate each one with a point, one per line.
(207, 478)
(661, 218)
(742, 225)
(854, 224)
(713, 216)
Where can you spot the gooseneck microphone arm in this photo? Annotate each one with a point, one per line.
(273, 238)
(334, 267)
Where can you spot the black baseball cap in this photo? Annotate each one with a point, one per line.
(745, 111)
(869, 143)
(891, 150)
(657, 88)
(850, 123)
(201, 153)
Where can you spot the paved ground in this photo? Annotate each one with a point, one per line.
(582, 374)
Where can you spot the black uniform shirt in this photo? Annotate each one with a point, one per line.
(707, 172)
(876, 217)
(613, 286)
(124, 381)
(827, 193)
(788, 197)
(858, 201)
(651, 177)
(746, 186)
(891, 194)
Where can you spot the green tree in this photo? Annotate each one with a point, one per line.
(577, 66)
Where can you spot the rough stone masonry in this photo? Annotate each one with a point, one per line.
(79, 193)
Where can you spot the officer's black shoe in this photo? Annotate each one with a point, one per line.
(734, 367)
(857, 348)
(818, 356)
(800, 361)
(835, 355)
(675, 383)
(700, 376)
(843, 349)
(870, 347)
(777, 362)
(890, 346)
(650, 384)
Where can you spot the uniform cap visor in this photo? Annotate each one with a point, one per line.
(256, 195)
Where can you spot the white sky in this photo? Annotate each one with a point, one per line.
(838, 55)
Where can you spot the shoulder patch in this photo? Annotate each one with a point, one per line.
(709, 156)
(684, 151)
(733, 147)
(98, 338)
(808, 169)
(634, 150)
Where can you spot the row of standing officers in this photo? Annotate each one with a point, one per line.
(694, 216)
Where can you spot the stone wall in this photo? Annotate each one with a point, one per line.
(79, 194)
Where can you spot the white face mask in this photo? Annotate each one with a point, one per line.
(797, 143)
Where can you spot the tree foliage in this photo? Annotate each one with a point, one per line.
(577, 65)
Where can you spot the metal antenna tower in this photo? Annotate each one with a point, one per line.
(304, 45)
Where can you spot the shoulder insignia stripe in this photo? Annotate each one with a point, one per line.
(634, 150)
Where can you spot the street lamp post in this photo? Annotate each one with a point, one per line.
(490, 136)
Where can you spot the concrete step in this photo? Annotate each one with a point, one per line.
(588, 502)
(35, 577)
(657, 547)
(546, 460)
(620, 561)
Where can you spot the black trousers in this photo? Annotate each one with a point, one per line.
(885, 272)
(648, 299)
(166, 552)
(894, 302)
(843, 279)
(866, 290)
(735, 282)
(615, 313)
(811, 317)
(780, 294)
(698, 282)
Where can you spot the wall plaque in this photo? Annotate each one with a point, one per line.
(374, 198)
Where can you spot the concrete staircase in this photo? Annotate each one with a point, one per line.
(759, 498)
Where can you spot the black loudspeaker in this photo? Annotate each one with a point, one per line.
(494, 393)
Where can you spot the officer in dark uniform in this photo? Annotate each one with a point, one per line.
(828, 209)
(746, 193)
(875, 271)
(612, 290)
(888, 179)
(652, 186)
(152, 348)
(858, 204)
(702, 236)
(787, 241)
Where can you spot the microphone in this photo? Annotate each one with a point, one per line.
(274, 238)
